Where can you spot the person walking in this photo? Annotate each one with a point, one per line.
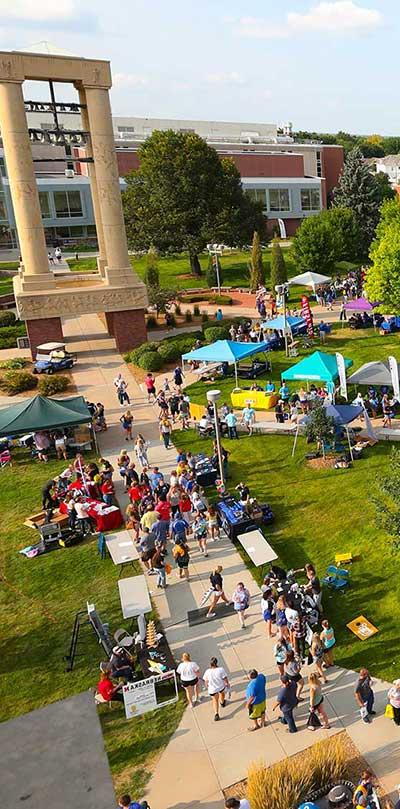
(184, 413)
(122, 392)
(150, 385)
(140, 447)
(281, 620)
(127, 422)
(293, 671)
(299, 631)
(241, 601)
(199, 528)
(317, 652)
(328, 641)
(281, 649)
(158, 565)
(189, 673)
(286, 701)
(217, 590)
(180, 552)
(248, 417)
(343, 313)
(394, 700)
(256, 697)
(365, 696)
(165, 431)
(178, 378)
(267, 611)
(216, 680)
(213, 523)
(231, 422)
(317, 699)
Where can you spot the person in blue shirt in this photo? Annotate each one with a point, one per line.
(284, 392)
(231, 421)
(219, 315)
(256, 696)
(270, 387)
(179, 527)
(125, 802)
(156, 478)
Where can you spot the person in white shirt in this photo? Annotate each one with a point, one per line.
(81, 510)
(216, 680)
(237, 803)
(189, 673)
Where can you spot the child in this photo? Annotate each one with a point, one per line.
(213, 523)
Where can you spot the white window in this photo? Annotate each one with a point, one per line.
(310, 199)
(126, 129)
(279, 199)
(257, 195)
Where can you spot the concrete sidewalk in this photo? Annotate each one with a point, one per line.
(203, 756)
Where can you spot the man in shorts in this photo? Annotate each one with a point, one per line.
(256, 699)
(150, 387)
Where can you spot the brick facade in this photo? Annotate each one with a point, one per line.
(46, 330)
(128, 328)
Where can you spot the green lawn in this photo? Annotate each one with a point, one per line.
(6, 285)
(358, 346)
(38, 601)
(318, 514)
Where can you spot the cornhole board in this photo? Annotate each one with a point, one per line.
(362, 627)
(343, 558)
(196, 617)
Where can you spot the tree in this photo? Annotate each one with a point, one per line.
(257, 274)
(384, 189)
(183, 196)
(391, 145)
(344, 227)
(358, 191)
(315, 245)
(382, 282)
(389, 215)
(278, 266)
(151, 275)
(319, 426)
(387, 499)
(161, 298)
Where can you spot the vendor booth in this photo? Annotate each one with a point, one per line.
(292, 325)
(360, 305)
(373, 373)
(259, 399)
(230, 352)
(310, 279)
(41, 413)
(317, 367)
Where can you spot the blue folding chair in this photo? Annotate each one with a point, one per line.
(337, 578)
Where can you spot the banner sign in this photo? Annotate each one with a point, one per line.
(394, 373)
(307, 314)
(282, 228)
(342, 375)
(147, 695)
(369, 426)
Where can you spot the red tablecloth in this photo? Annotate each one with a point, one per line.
(104, 522)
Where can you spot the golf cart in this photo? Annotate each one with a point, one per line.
(53, 357)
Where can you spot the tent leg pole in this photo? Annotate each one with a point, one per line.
(236, 376)
(295, 442)
(350, 447)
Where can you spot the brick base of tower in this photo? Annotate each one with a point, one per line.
(45, 330)
(128, 328)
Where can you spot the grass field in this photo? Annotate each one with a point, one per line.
(6, 285)
(318, 514)
(358, 346)
(38, 601)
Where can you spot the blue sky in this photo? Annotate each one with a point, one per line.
(323, 64)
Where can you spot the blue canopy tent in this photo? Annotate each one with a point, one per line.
(295, 324)
(317, 367)
(342, 416)
(226, 351)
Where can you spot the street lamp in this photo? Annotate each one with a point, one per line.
(213, 396)
(282, 289)
(214, 252)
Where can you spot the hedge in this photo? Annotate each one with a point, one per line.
(151, 361)
(7, 319)
(210, 297)
(136, 353)
(48, 385)
(18, 381)
(9, 334)
(14, 364)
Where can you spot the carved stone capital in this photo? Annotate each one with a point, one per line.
(88, 300)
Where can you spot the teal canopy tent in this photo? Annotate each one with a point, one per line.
(318, 367)
(41, 413)
(226, 351)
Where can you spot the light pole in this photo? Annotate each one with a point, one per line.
(282, 289)
(213, 396)
(214, 255)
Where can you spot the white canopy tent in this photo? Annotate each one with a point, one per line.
(310, 279)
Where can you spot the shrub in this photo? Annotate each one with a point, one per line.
(151, 361)
(169, 352)
(49, 385)
(222, 299)
(196, 310)
(18, 381)
(7, 319)
(213, 333)
(204, 317)
(151, 322)
(188, 316)
(136, 353)
(14, 364)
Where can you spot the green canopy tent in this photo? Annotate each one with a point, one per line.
(41, 413)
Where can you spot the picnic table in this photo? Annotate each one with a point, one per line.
(257, 547)
(207, 369)
(122, 549)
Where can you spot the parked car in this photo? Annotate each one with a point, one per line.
(53, 357)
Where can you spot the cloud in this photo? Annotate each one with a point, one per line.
(225, 78)
(45, 10)
(129, 80)
(329, 16)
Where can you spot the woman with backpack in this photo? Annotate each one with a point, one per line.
(316, 700)
(180, 552)
(241, 601)
(317, 653)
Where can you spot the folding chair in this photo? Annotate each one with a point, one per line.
(337, 578)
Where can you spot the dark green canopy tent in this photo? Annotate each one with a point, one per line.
(41, 413)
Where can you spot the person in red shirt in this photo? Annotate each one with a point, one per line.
(163, 508)
(76, 484)
(136, 493)
(107, 490)
(150, 383)
(108, 690)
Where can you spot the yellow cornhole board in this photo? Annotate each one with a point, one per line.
(362, 627)
(343, 558)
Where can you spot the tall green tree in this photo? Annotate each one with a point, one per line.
(384, 189)
(257, 273)
(315, 245)
(382, 281)
(389, 215)
(278, 265)
(358, 191)
(183, 196)
(344, 228)
(151, 274)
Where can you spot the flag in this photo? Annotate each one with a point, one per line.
(282, 228)
(394, 373)
(307, 315)
(342, 375)
(368, 425)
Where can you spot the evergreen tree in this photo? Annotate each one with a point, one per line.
(358, 191)
(278, 265)
(151, 275)
(257, 275)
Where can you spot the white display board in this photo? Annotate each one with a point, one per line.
(147, 695)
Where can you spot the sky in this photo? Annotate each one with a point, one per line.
(325, 65)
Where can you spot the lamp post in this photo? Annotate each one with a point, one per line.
(214, 253)
(213, 396)
(282, 289)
